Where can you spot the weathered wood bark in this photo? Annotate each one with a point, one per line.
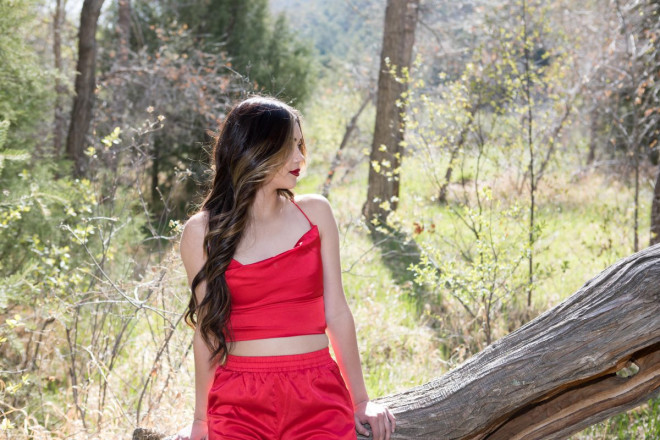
(386, 151)
(655, 212)
(555, 375)
(81, 115)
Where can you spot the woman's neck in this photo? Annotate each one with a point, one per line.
(267, 205)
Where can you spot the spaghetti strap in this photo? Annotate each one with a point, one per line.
(303, 213)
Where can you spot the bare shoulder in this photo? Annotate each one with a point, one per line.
(315, 206)
(195, 229)
(318, 210)
(191, 246)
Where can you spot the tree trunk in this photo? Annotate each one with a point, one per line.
(636, 197)
(655, 212)
(155, 169)
(386, 150)
(554, 376)
(124, 30)
(60, 120)
(527, 86)
(442, 194)
(121, 103)
(81, 114)
(593, 135)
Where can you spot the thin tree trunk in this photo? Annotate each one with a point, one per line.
(633, 139)
(636, 214)
(124, 30)
(442, 194)
(60, 120)
(155, 169)
(350, 127)
(121, 102)
(554, 134)
(386, 150)
(530, 145)
(655, 212)
(81, 114)
(593, 135)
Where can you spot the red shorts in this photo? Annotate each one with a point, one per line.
(300, 396)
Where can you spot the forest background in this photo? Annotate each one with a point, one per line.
(528, 162)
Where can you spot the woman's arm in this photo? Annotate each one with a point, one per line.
(341, 326)
(193, 257)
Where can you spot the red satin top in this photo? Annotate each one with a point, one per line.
(281, 295)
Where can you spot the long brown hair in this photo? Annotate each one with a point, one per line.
(254, 143)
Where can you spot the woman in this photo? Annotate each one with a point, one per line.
(267, 295)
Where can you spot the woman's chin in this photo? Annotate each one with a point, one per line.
(294, 182)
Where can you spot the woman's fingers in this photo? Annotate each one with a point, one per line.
(386, 426)
(392, 419)
(377, 427)
(380, 426)
(379, 418)
(359, 427)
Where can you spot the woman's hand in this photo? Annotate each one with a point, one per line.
(197, 431)
(380, 419)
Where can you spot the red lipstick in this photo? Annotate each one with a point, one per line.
(295, 172)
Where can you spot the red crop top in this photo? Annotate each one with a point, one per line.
(281, 295)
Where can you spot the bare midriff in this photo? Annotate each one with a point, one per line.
(279, 346)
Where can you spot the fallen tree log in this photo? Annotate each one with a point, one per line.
(555, 375)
